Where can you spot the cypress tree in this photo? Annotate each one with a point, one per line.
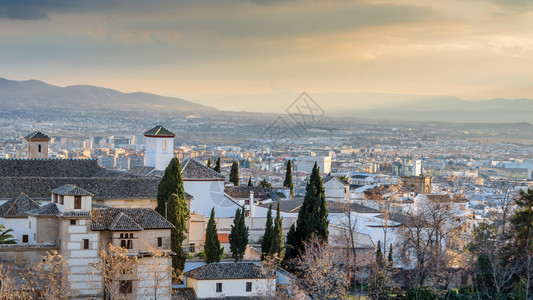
(312, 217)
(171, 192)
(267, 237)
(265, 184)
(379, 255)
(234, 173)
(277, 240)
(250, 182)
(209, 163)
(217, 167)
(390, 256)
(288, 178)
(238, 237)
(212, 249)
(171, 183)
(290, 248)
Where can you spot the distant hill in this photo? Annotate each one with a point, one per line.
(34, 93)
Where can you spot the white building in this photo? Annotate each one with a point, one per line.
(336, 190)
(306, 163)
(417, 167)
(159, 149)
(219, 280)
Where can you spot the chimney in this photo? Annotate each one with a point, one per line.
(252, 205)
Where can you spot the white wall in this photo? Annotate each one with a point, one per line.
(20, 226)
(335, 191)
(209, 194)
(158, 152)
(234, 288)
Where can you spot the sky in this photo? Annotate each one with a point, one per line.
(208, 51)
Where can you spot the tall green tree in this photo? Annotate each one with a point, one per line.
(178, 215)
(312, 217)
(171, 204)
(238, 237)
(5, 235)
(213, 251)
(379, 255)
(217, 167)
(290, 248)
(209, 163)
(250, 182)
(276, 246)
(171, 183)
(287, 183)
(267, 237)
(390, 259)
(234, 173)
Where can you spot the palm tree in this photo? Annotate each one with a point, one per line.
(5, 236)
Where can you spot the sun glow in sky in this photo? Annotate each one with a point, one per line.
(472, 49)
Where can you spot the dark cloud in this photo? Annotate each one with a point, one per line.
(20, 12)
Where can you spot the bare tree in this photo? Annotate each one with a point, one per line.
(322, 271)
(12, 284)
(429, 242)
(50, 277)
(117, 268)
(155, 270)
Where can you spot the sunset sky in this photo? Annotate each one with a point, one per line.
(209, 50)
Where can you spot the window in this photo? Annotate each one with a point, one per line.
(61, 199)
(30, 224)
(25, 238)
(85, 243)
(164, 145)
(123, 244)
(219, 287)
(55, 198)
(159, 242)
(77, 202)
(129, 245)
(126, 286)
(248, 286)
(39, 148)
(72, 222)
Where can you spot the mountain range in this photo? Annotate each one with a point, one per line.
(34, 93)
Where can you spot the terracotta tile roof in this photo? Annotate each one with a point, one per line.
(37, 135)
(111, 219)
(192, 169)
(123, 222)
(45, 210)
(159, 131)
(290, 206)
(103, 188)
(71, 190)
(49, 167)
(222, 237)
(240, 270)
(183, 294)
(18, 207)
(337, 207)
(243, 191)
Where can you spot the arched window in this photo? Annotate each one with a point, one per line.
(121, 235)
(130, 245)
(131, 235)
(39, 148)
(123, 244)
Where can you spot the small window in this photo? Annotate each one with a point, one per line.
(164, 145)
(61, 199)
(39, 148)
(126, 286)
(30, 224)
(121, 235)
(123, 244)
(248, 286)
(129, 245)
(219, 287)
(77, 202)
(25, 238)
(160, 242)
(55, 198)
(72, 222)
(85, 243)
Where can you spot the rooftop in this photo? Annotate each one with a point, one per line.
(119, 219)
(192, 169)
(159, 131)
(240, 270)
(18, 207)
(37, 136)
(71, 190)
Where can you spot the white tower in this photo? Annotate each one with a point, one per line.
(159, 147)
(417, 167)
(37, 145)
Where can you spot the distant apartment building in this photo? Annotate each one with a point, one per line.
(306, 163)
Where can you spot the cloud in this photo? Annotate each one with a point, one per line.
(21, 12)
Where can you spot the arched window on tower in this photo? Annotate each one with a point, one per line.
(39, 148)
